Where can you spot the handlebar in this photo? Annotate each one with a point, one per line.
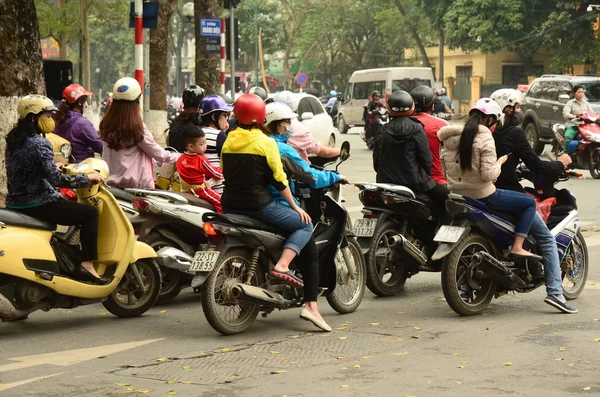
(574, 174)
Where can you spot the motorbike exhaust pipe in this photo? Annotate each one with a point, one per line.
(401, 246)
(8, 311)
(258, 295)
(174, 258)
(497, 271)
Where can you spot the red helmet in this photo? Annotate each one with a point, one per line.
(73, 92)
(249, 109)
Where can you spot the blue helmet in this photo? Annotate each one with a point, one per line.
(213, 103)
(332, 93)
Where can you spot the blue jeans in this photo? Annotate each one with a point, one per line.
(284, 218)
(520, 204)
(546, 244)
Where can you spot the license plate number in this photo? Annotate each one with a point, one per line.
(365, 227)
(204, 261)
(449, 234)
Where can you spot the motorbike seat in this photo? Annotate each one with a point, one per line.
(196, 201)
(507, 216)
(120, 194)
(243, 221)
(424, 197)
(16, 218)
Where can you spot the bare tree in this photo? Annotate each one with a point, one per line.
(207, 65)
(159, 65)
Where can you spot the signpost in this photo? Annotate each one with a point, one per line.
(210, 27)
(301, 79)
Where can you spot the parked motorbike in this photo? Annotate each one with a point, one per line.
(37, 268)
(244, 249)
(377, 118)
(475, 248)
(586, 153)
(396, 235)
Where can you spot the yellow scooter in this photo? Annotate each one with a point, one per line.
(35, 265)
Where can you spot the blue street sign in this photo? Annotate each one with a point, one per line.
(212, 45)
(301, 78)
(210, 27)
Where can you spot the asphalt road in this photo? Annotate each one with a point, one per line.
(408, 345)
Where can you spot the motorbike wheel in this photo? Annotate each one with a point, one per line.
(129, 298)
(224, 313)
(595, 165)
(342, 126)
(575, 268)
(348, 293)
(466, 289)
(383, 278)
(171, 278)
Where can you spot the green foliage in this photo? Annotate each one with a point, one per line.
(54, 20)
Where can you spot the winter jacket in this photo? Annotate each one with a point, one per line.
(178, 127)
(132, 167)
(83, 136)
(296, 167)
(251, 162)
(32, 175)
(572, 107)
(512, 139)
(478, 181)
(401, 155)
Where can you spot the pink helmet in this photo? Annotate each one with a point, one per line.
(488, 107)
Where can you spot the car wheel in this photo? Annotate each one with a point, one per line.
(331, 141)
(342, 126)
(533, 137)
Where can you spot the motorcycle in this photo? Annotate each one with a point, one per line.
(37, 268)
(475, 249)
(585, 148)
(396, 235)
(377, 118)
(244, 249)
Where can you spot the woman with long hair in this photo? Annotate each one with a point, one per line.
(72, 126)
(471, 167)
(129, 146)
(32, 179)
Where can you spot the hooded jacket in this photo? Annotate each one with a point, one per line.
(83, 136)
(251, 162)
(401, 155)
(478, 182)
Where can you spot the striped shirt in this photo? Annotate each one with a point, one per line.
(211, 152)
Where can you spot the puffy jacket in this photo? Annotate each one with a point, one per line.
(297, 168)
(178, 127)
(83, 136)
(477, 182)
(401, 155)
(512, 139)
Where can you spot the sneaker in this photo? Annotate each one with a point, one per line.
(560, 304)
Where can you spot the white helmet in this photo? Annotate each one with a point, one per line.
(507, 97)
(279, 111)
(286, 97)
(488, 107)
(127, 89)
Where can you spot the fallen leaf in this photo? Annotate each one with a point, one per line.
(103, 313)
(571, 365)
(356, 366)
(144, 391)
(343, 337)
(507, 364)
(295, 336)
(272, 352)
(460, 383)
(344, 368)
(163, 311)
(279, 371)
(186, 367)
(160, 360)
(227, 349)
(490, 322)
(185, 382)
(400, 354)
(236, 374)
(486, 365)
(396, 322)
(546, 324)
(375, 324)
(415, 336)
(465, 362)
(596, 319)
(558, 359)
(461, 366)
(400, 312)
(171, 382)
(416, 328)
(171, 393)
(561, 349)
(367, 357)
(587, 388)
(340, 357)
(343, 386)
(455, 354)
(342, 328)
(122, 384)
(597, 340)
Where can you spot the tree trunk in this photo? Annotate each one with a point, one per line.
(441, 56)
(159, 65)
(85, 39)
(415, 34)
(207, 65)
(63, 40)
(22, 71)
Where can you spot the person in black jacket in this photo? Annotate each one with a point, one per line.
(511, 140)
(192, 96)
(401, 154)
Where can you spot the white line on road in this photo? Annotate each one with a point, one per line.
(7, 386)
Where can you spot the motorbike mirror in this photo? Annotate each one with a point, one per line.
(345, 151)
(563, 98)
(307, 116)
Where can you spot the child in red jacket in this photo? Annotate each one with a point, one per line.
(195, 170)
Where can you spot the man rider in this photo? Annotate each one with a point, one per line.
(192, 96)
(511, 140)
(372, 105)
(330, 105)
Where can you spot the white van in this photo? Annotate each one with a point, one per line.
(385, 80)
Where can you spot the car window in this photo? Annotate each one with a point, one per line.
(348, 95)
(550, 90)
(408, 84)
(592, 91)
(535, 90)
(308, 104)
(363, 90)
(565, 87)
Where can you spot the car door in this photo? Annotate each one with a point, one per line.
(543, 105)
(320, 125)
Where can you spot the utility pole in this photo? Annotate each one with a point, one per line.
(232, 47)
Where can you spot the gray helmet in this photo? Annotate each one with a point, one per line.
(259, 91)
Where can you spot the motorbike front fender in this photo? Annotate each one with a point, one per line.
(142, 251)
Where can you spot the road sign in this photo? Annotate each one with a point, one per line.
(150, 15)
(210, 27)
(212, 45)
(302, 78)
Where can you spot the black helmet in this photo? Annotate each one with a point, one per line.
(423, 97)
(400, 103)
(192, 96)
(375, 93)
(259, 91)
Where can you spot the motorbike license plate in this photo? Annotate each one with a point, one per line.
(449, 234)
(204, 261)
(365, 227)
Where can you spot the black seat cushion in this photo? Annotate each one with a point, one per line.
(120, 194)
(16, 218)
(196, 201)
(241, 220)
(507, 216)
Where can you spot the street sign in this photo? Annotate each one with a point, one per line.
(302, 78)
(150, 15)
(212, 45)
(210, 27)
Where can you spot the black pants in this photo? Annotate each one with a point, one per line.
(67, 213)
(439, 195)
(308, 262)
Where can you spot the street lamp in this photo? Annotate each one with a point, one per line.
(188, 11)
(593, 7)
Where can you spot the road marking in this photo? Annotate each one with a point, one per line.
(69, 357)
(6, 386)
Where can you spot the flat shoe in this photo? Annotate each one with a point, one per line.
(288, 277)
(308, 316)
(84, 275)
(531, 257)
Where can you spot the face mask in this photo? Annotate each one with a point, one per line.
(288, 133)
(46, 124)
(518, 118)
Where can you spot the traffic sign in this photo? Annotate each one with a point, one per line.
(302, 78)
(212, 45)
(210, 27)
